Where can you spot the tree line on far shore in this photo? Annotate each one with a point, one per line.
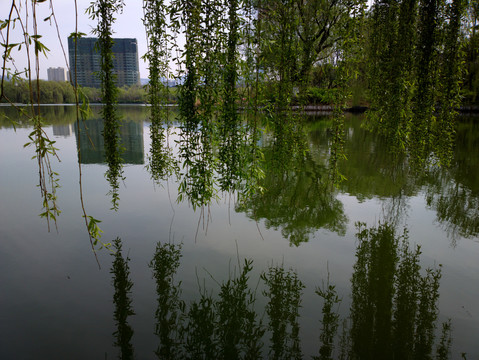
(56, 92)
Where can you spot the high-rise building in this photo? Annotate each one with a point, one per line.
(125, 62)
(57, 74)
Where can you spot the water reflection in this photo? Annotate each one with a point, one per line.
(394, 306)
(296, 196)
(122, 301)
(284, 291)
(92, 143)
(62, 130)
(371, 169)
(452, 192)
(164, 265)
(393, 314)
(297, 199)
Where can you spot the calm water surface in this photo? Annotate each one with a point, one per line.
(56, 304)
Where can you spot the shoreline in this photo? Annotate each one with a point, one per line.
(323, 108)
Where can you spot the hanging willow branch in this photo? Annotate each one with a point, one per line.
(196, 98)
(450, 83)
(48, 179)
(104, 11)
(230, 130)
(161, 164)
(415, 71)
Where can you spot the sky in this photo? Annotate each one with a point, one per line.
(128, 25)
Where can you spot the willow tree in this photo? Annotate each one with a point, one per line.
(415, 73)
(450, 83)
(199, 79)
(230, 130)
(312, 30)
(391, 44)
(426, 64)
(471, 82)
(104, 11)
(158, 56)
(21, 23)
(252, 95)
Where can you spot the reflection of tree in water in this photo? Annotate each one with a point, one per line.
(164, 265)
(373, 171)
(394, 307)
(284, 291)
(120, 271)
(392, 316)
(457, 207)
(297, 196)
(52, 115)
(454, 192)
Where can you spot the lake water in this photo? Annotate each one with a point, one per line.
(55, 303)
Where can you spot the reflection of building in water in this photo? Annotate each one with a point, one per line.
(92, 145)
(62, 130)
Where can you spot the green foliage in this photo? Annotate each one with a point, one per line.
(197, 182)
(45, 150)
(318, 95)
(450, 83)
(50, 92)
(471, 81)
(48, 179)
(161, 164)
(229, 129)
(54, 92)
(104, 11)
(95, 232)
(415, 72)
(299, 34)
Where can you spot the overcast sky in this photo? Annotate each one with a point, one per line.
(128, 25)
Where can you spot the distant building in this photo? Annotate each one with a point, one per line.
(125, 62)
(57, 74)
